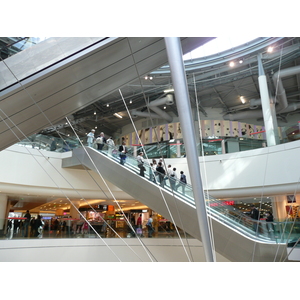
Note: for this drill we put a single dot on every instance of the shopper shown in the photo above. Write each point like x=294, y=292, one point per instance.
x=140, y=162
x=39, y=226
x=161, y=173
x=123, y=151
x=170, y=174
x=26, y=223
x=173, y=179
x=182, y=182
x=91, y=138
x=100, y=141
x=111, y=145
x=150, y=226
x=152, y=172
x=254, y=214
x=270, y=220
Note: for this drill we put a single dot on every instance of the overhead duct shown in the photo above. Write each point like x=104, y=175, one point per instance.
x=135, y=113
x=282, y=107
x=243, y=115
x=159, y=113
x=258, y=113
x=168, y=100
x=254, y=103
x=277, y=80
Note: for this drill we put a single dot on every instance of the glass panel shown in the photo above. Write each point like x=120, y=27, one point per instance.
x=18, y=228
x=12, y=45
x=50, y=143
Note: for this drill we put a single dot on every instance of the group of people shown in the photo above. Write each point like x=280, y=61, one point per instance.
x=34, y=226
x=255, y=215
x=139, y=224
x=157, y=172
x=100, y=141
x=159, y=175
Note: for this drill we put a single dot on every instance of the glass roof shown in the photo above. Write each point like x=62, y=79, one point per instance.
x=217, y=45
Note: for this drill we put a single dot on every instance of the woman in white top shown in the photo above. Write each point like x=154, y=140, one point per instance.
x=90, y=138
x=111, y=145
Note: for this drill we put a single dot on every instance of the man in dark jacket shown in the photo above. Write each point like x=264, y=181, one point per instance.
x=254, y=214
x=161, y=174
x=182, y=182
x=26, y=223
x=123, y=151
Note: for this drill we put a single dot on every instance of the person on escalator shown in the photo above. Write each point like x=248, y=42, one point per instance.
x=91, y=138
x=182, y=182
x=111, y=145
x=254, y=214
x=140, y=162
x=161, y=174
x=100, y=141
x=123, y=151
x=270, y=220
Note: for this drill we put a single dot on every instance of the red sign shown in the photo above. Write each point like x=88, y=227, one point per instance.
x=222, y=203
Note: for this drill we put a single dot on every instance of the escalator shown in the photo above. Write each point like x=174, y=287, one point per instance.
x=233, y=233
x=59, y=76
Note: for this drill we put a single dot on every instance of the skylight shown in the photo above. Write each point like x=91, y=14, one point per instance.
x=217, y=45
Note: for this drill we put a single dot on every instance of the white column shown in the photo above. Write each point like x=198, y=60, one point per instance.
x=74, y=209
x=268, y=108
x=3, y=210
x=178, y=148
x=223, y=147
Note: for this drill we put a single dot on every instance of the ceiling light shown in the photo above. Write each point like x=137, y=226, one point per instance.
x=165, y=107
x=130, y=101
x=94, y=112
x=231, y=64
x=241, y=61
x=242, y=99
x=107, y=105
x=270, y=49
x=169, y=90
x=117, y=115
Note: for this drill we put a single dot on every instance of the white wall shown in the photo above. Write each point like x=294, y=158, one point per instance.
x=27, y=170
x=265, y=171
x=268, y=171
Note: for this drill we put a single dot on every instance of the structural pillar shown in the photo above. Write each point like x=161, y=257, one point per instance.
x=3, y=210
x=197, y=130
x=74, y=209
x=174, y=52
x=268, y=108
